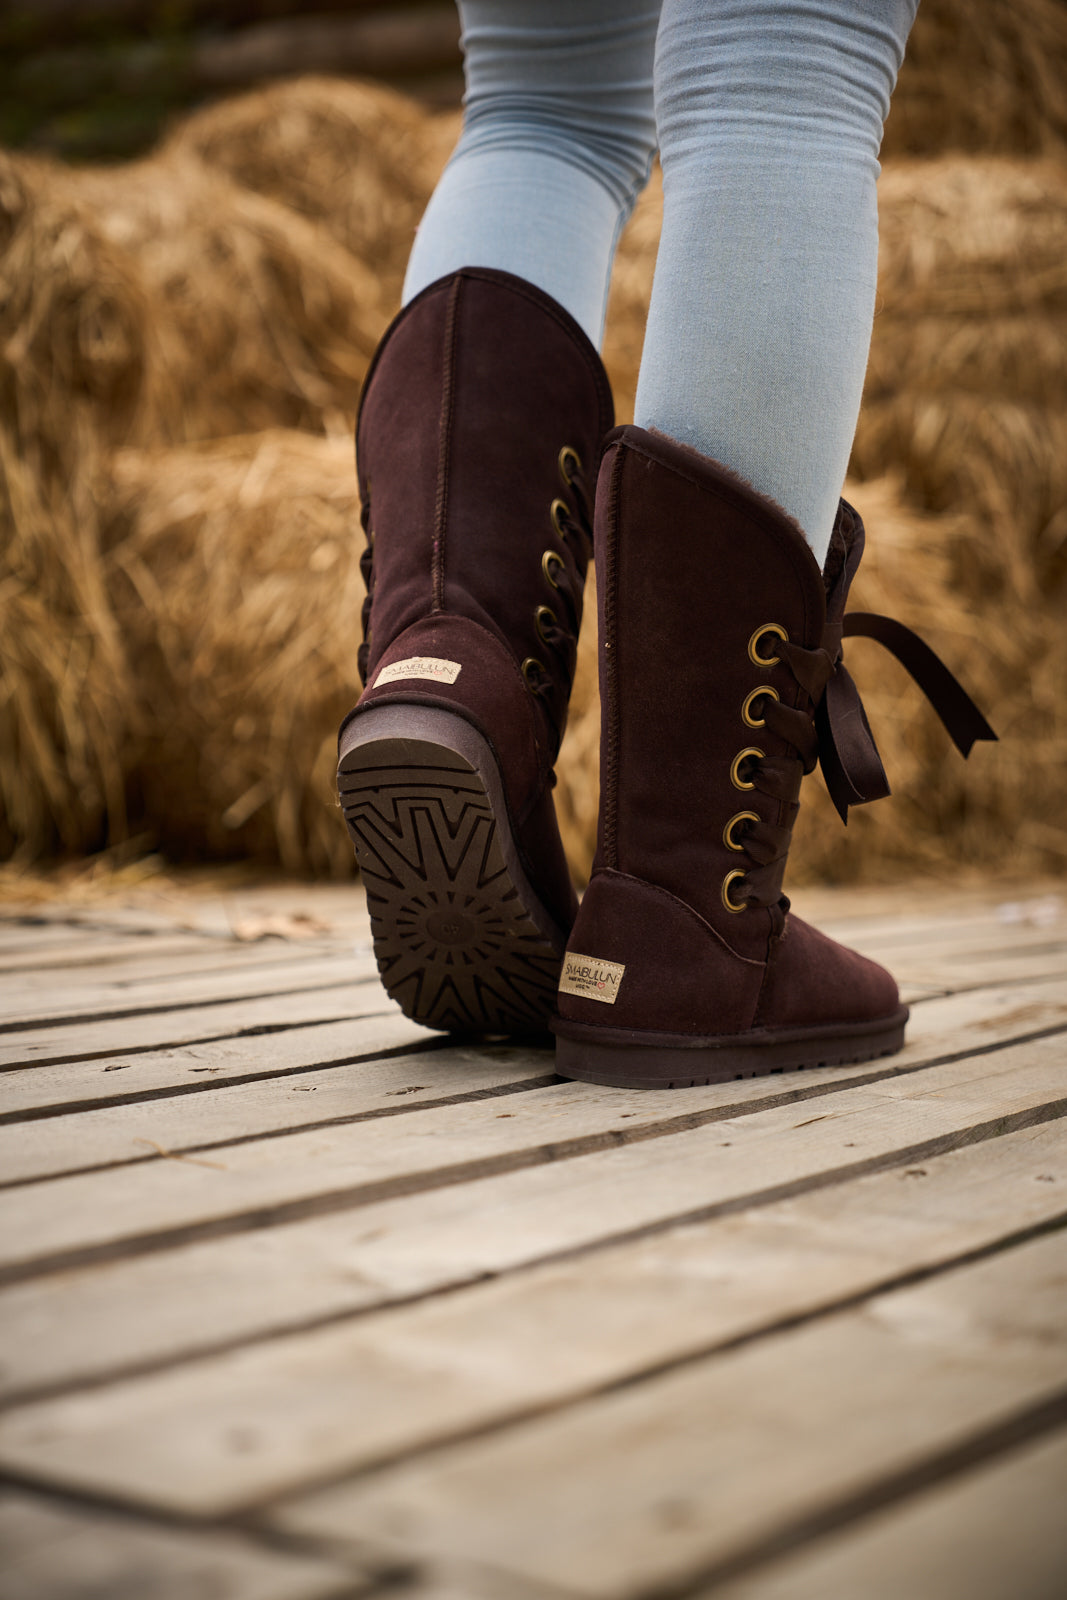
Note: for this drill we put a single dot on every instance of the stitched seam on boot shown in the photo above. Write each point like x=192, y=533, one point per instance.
x=444, y=451
x=763, y=516
x=611, y=675
x=658, y=891
x=566, y=324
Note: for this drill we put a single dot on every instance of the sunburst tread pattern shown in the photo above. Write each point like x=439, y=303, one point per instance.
x=456, y=947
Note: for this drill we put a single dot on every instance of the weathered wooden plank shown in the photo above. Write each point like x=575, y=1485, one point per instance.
x=852, y=910
x=95, y=1136
x=207, y=969
x=352, y=1396
x=166, y=1202
x=341, y=1092
x=166, y=1029
x=999, y=1530
x=936, y=941
x=663, y=1480
x=99, y=1136
x=950, y=971
x=90, y=950
x=114, y=971
x=84, y=943
x=157, y=1308
x=80, y=1003
x=54, y=1552
x=29, y=1092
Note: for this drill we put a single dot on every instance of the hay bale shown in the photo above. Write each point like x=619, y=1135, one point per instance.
x=982, y=79
x=75, y=323
x=356, y=158
x=234, y=573
x=75, y=329
x=148, y=303
x=66, y=695
x=966, y=395
x=159, y=302
x=261, y=318
x=964, y=237
x=631, y=290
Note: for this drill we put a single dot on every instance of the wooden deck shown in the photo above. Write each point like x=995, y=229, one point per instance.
x=287, y=1314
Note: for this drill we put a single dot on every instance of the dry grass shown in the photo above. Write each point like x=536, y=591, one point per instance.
x=235, y=580
x=181, y=344
x=259, y=317
x=989, y=79
x=375, y=158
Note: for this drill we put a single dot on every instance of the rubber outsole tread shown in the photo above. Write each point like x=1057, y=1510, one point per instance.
x=641, y=1066
x=457, y=946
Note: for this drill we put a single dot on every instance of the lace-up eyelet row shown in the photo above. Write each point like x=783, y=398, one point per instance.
x=366, y=567
x=551, y=631
x=763, y=691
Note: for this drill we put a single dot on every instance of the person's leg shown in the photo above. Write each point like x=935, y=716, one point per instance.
x=557, y=142
x=479, y=430
x=721, y=624
x=769, y=117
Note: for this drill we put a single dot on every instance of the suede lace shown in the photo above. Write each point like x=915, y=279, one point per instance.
x=366, y=568
x=830, y=728
x=553, y=687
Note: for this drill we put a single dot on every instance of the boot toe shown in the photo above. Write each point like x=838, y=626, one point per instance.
x=812, y=980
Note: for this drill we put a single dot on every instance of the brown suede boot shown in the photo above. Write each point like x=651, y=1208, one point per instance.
x=721, y=684
x=483, y=410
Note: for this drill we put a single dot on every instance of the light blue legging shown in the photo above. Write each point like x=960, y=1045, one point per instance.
x=768, y=117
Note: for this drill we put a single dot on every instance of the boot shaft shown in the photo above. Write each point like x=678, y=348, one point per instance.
x=700, y=579
x=482, y=414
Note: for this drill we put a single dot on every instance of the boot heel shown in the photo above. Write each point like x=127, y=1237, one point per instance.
x=461, y=939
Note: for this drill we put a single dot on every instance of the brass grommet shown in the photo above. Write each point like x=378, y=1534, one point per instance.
x=546, y=562
x=529, y=665
x=570, y=462
x=753, y=653
x=554, y=511
x=730, y=878
x=728, y=832
x=746, y=710
x=544, y=617
x=742, y=755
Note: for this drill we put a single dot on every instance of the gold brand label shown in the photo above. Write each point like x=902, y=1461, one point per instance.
x=433, y=667
x=591, y=979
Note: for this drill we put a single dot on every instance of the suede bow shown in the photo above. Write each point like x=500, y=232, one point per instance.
x=848, y=755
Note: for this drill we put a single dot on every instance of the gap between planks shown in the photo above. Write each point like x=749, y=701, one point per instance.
x=229, y=1436
x=650, y=1490
x=368, y=1256
x=69, y=1222
x=89, y=1137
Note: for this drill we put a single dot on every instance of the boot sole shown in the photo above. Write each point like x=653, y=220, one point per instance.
x=462, y=940
x=635, y=1061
